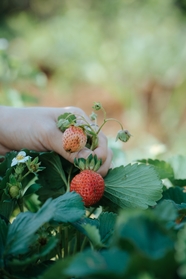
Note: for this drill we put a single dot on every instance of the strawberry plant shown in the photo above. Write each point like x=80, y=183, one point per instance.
x=134, y=228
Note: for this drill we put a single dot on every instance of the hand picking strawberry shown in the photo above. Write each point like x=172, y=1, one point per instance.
x=78, y=133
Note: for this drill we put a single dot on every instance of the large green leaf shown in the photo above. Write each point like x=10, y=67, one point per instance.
x=134, y=186
x=145, y=232
x=21, y=233
x=53, y=178
x=110, y=263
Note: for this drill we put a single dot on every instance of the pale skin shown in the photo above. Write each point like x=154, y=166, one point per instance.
x=35, y=128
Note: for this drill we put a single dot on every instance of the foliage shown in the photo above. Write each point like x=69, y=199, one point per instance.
x=136, y=229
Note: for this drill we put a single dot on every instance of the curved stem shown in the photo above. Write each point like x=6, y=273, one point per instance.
x=104, y=112
x=109, y=119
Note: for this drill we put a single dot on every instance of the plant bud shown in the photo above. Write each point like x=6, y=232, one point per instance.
x=123, y=135
x=97, y=106
x=14, y=192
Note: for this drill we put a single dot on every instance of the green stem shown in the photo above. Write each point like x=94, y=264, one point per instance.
x=85, y=241
x=104, y=112
x=106, y=120
x=69, y=179
x=25, y=175
x=59, y=248
x=78, y=242
x=20, y=204
x=87, y=123
x=66, y=242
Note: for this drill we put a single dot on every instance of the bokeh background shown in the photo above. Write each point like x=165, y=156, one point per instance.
x=129, y=55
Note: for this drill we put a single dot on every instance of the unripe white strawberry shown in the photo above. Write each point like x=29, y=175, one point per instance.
x=14, y=191
x=74, y=139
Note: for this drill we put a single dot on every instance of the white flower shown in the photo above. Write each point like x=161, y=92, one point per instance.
x=20, y=158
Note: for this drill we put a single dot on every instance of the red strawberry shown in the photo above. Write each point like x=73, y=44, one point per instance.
x=90, y=185
x=74, y=139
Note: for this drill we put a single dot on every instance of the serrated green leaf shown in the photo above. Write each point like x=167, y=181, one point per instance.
x=21, y=231
x=163, y=168
x=134, y=186
x=69, y=116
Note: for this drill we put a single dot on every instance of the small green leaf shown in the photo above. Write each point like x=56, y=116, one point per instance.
x=68, y=116
x=166, y=211
x=163, y=168
x=6, y=164
x=21, y=231
x=178, y=163
x=32, y=189
x=93, y=235
x=3, y=236
x=175, y=194
x=134, y=186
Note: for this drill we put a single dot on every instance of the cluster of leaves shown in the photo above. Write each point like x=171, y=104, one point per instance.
x=136, y=230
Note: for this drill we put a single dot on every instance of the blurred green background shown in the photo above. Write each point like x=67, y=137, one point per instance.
x=129, y=55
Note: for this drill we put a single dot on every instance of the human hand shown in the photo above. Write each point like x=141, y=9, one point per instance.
x=35, y=128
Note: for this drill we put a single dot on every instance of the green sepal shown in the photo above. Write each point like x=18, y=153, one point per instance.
x=90, y=163
x=65, y=120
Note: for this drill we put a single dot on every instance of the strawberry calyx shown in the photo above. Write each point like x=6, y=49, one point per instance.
x=90, y=163
x=66, y=120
